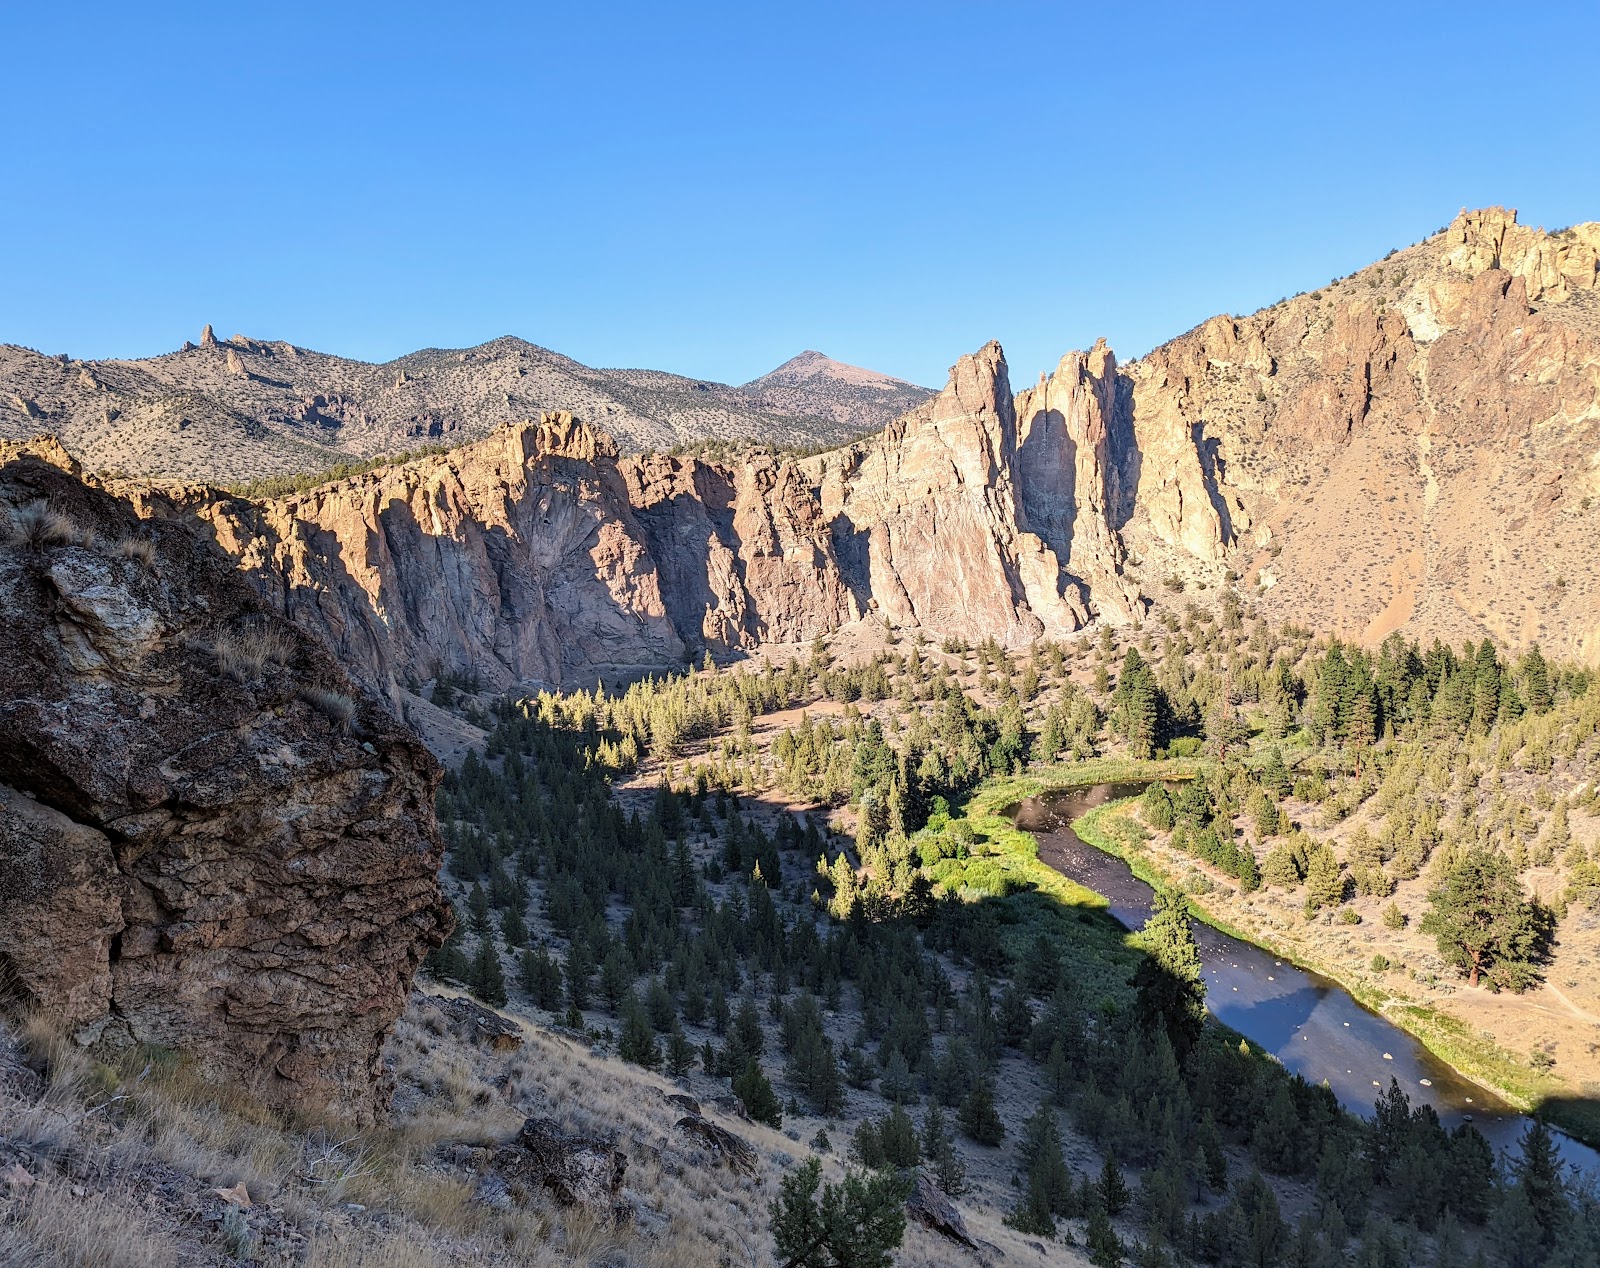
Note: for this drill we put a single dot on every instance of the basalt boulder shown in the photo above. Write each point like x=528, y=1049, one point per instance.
x=211, y=840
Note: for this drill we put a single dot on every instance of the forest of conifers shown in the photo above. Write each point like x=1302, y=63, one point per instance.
x=882, y=978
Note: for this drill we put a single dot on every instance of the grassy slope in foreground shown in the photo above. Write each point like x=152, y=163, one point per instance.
x=1446, y=1037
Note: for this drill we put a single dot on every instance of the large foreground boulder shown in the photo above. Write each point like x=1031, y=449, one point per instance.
x=210, y=839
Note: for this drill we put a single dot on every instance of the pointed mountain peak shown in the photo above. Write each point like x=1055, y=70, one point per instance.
x=813, y=365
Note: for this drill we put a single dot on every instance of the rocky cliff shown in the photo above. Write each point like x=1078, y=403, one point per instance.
x=210, y=840
x=1414, y=447
x=542, y=555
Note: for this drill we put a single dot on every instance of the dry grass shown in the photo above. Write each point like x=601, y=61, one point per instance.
x=38, y=525
x=348, y=1249
x=141, y=549
x=151, y=1112
x=244, y=655
x=51, y=1228
x=337, y=707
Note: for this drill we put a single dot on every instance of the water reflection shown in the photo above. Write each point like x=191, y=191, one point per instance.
x=1308, y=1022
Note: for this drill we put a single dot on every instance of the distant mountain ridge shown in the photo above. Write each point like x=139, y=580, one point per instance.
x=230, y=410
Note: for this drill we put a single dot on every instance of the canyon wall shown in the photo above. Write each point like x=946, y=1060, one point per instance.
x=1415, y=447
x=541, y=555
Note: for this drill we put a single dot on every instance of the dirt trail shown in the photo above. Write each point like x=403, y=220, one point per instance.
x=1582, y=1014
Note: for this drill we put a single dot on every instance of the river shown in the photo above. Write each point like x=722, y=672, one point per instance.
x=1309, y=1022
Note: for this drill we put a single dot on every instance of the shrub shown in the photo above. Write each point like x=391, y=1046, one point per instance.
x=139, y=548
x=1380, y=964
x=1349, y=916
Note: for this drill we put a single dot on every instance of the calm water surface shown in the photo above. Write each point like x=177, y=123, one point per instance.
x=1308, y=1022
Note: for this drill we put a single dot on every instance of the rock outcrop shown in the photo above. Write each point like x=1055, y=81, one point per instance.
x=576, y=1170
x=718, y=1142
x=210, y=840
x=928, y=518
x=929, y=1207
x=540, y=555
x=517, y=559
x=1413, y=448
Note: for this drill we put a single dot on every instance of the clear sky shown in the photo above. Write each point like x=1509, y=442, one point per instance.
x=712, y=188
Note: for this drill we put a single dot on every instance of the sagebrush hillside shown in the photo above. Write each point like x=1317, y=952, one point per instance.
x=239, y=409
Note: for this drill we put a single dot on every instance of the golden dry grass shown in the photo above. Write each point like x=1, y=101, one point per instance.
x=328, y=1196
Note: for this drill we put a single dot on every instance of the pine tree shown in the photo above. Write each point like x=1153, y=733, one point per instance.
x=939, y=1148
x=1114, y=1194
x=638, y=1042
x=578, y=970
x=615, y=974
x=1047, y=1176
x=856, y=1224
x=1484, y=924
x=1325, y=879
x=842, y=906
x=1135, y=706
x=978, y=1118
x=1536, y=680
x=1274, y=774
x=1105, y=1247
x=898, y=1135
x=1538, y=1170
x=513, y=928
x=680, y=1055
x=541, y=978
x=755, y=1093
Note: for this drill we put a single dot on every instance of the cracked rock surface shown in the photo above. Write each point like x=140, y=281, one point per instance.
x=210, y=839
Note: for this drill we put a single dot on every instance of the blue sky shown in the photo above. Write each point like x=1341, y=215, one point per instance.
x=711, y=188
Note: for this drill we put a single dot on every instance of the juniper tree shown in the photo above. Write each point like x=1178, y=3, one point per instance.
x=1170, y=987
x=855, y=1224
